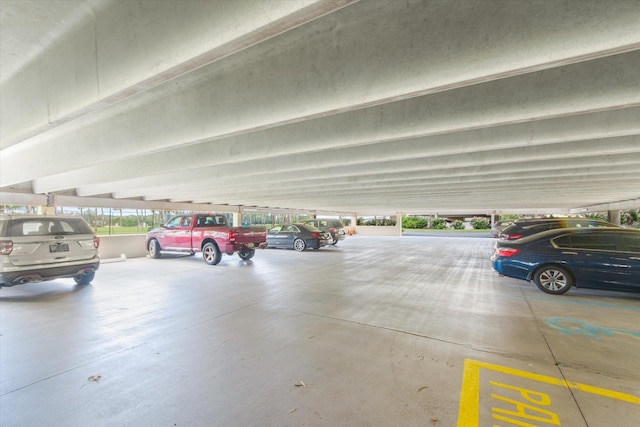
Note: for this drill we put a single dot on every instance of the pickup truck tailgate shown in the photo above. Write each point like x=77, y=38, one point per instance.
x=247, y=235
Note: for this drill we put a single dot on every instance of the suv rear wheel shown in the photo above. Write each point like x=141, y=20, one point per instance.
x=85, y=278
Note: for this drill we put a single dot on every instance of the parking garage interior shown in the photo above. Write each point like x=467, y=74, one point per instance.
x=334, y=108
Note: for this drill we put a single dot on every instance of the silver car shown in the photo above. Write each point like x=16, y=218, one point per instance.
x=36, y=248
x=335, y=227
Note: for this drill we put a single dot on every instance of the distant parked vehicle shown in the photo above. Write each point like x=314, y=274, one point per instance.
x=498, y=226
x=335, y=227
x=206, y=233
x=37, y=248
x=526, y=227
x=298, y=237
x=556, y=260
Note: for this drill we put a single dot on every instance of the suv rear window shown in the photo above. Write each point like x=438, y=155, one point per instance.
x=46, y=226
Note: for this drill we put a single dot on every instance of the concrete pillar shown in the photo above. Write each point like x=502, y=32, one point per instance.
x=614, y=217
x=354, y=224
x=399, y=224
x=237, y=219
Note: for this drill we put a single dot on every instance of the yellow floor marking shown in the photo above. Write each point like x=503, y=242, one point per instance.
x=469, y=413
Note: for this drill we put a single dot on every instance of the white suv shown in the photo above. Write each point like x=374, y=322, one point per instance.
x=35, y=248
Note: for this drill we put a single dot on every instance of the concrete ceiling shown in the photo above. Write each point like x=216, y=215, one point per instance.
x=367, y=107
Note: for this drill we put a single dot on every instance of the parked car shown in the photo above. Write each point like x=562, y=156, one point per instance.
x=36, y=248
x=297, y=236
x=335, y=227
x=498, y=226
x=207, y=233
x=556, y=260
x=526, y=227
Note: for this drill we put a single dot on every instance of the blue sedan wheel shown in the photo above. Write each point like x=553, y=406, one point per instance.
x=553, y=279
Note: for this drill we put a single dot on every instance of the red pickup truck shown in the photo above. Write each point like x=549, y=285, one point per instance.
x=206, y=233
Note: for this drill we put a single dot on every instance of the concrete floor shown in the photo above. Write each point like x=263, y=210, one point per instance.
x=379, y=331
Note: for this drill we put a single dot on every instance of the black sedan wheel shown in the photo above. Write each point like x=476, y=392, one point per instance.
x=299, y=245
x=246, y=253
x=553, y=279
x=211, y=254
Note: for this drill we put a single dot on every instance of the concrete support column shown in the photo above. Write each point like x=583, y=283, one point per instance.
x=354, y=224
x=399, y=224
x=614, y=217
x=237, y=219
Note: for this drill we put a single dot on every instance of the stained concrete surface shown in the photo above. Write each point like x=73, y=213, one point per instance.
x=378, y=331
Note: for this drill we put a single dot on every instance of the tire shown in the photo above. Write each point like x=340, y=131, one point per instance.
x=553, y=279
x=299, y=245
x=154, y=249
x=211, y=253
x=84, y=279
x=246, y=253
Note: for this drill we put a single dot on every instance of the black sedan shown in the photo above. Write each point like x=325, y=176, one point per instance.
x=602, y=258
x=298, y=237
x=526, y=227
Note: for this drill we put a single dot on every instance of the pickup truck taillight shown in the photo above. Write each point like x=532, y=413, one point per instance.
x=232, y=236
x=96, y=242
x=6, y=246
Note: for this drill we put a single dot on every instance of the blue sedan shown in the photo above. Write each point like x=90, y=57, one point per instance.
x=556, y=260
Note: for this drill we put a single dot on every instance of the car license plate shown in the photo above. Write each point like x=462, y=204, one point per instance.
x=59, y=248
x=249, y=245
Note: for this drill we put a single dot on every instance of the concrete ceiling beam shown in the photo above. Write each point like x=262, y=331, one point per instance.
x=153, y=121
x=570, y=179
x=110, y=51
x=366, y=162
x=318, y=137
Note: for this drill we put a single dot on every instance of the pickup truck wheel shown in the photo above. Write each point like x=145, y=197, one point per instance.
x=211, y=254
x=246, y=253
x=154, y=249
x=299, y=245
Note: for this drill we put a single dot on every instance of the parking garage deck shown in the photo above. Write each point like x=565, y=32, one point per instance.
x=378, y=331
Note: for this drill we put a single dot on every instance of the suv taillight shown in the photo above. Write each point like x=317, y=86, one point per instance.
x=6, y=246
x=96, y=242
x=507, y=252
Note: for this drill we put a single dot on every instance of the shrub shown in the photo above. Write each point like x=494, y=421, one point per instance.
x=439, y=223
x=630, y=217
x=597, y=215
x=479, y=223
x=458, y=225
x=413, y=222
